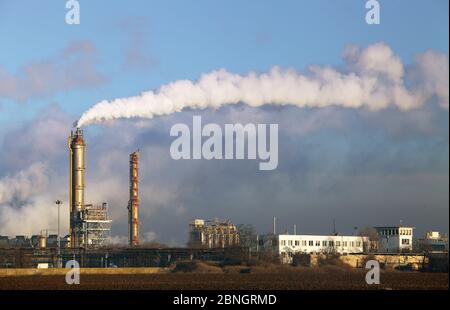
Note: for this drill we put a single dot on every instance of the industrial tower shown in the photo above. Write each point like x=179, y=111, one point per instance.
x=133, y=203
x=89, y=224
x=77, y=149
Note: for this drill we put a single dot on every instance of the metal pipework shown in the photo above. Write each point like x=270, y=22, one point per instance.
x=133, y=203
x=77, y=148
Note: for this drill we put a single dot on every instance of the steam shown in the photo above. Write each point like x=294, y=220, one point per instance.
x=24, y=184
x=374, y=78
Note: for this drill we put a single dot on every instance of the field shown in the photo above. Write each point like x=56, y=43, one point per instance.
x=235, y=277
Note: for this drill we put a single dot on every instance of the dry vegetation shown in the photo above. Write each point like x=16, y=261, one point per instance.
x=200, y=275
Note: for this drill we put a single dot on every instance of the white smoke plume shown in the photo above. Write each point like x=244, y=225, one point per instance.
x=374, y=78
x=24, y=183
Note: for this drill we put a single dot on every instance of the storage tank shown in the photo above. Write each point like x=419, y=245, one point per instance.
x=42, y=241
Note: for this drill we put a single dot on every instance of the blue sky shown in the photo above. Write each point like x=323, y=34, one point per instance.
x=183, y=39
x=361, y=168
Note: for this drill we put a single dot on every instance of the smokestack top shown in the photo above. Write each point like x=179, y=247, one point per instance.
x=134, y=155
x=77, y=137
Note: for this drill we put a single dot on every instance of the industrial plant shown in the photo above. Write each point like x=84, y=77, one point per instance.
x=90, y=227
x=215, y=234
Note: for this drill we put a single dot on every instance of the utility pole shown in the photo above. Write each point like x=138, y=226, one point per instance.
x=274, y=225
x=58, y=203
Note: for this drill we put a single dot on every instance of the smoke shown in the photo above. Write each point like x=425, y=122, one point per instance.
x=26, y=204
x=374, y=78
x=24, y=183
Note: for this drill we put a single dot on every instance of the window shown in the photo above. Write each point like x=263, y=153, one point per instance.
x=331, y=243
x=311, y=243
x=317, y=243
x=338, y=243
x=405, y=241
x=352, y=244
x=297, y=243
x=304, y=242
x=396, y=232
x=324, y=243
x=345, y=243
x=358, y=243
x=290, y=242
x=283, y=242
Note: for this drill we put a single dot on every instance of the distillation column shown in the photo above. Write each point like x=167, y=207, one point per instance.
x=133, y=204
x=77, y=149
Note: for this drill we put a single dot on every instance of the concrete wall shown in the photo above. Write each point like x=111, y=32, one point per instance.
x=388, y=260
x=14, y=272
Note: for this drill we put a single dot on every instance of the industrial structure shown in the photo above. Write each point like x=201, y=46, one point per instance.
x=433, y=241
x=90, y=227
x=215, y=234
x=40, y=241
x=133, y=203
x=89, y=224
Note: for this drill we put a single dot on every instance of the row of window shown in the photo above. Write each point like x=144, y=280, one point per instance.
x=396, y=232
x=325, y=243
x=405, y=241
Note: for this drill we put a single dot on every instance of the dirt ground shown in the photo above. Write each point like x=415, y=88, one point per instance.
x=299, y=279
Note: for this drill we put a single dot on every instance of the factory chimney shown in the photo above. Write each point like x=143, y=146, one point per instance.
x=77, y=149
x=133, y=204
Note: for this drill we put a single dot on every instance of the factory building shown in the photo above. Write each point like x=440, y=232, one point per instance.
x=35, y=241
x=215, y=234
x=89, y=224
x=395, y=239
x=285, y=246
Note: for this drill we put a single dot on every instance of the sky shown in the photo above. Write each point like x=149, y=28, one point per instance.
x=357, y=166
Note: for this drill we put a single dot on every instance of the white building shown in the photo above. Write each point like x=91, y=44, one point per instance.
x=394, y=239
x=285, y=246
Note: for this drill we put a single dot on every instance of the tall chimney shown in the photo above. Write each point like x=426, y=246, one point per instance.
x=133, y=204
x=77, y=149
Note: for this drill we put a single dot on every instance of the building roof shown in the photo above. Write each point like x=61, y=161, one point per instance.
x=398, y=226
